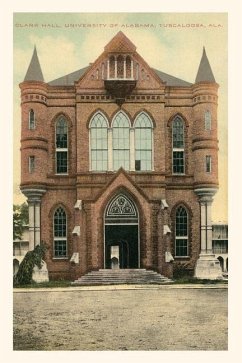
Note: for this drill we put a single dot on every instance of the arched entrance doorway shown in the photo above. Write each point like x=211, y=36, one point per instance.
x=121, y=233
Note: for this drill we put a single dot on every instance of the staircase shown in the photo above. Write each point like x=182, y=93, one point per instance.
x=122, y=276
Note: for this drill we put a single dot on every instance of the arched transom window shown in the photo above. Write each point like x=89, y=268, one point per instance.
x=143, y=142
x=121, y=141
x=181, y=237
x=60, y=233
x=178, y=156
x=99, y=142
x=121, y=209
x=61, y=146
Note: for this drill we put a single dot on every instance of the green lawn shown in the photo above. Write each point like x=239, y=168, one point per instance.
x=66, y=283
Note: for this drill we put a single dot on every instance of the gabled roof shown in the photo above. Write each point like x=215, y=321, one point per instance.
x=205, y=73
x=171, y=80
x=34, y=72
x=69, y=79
x=119, y=43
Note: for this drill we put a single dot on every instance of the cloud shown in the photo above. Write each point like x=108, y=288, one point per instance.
x=57, y=55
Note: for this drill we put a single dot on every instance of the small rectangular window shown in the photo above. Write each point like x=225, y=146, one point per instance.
x=181, y=247
x=208, y=163
x=208, y=120
x=178, y=162
x=31, y=120
x=61, y=160
x=60, y=248
x=137, y=165
x=31, y=164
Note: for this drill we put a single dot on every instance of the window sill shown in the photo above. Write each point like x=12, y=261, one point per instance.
x=180, y=257
x=178, y=174
x=60, y=258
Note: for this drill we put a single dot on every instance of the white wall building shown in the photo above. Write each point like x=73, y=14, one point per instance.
x=220, y=244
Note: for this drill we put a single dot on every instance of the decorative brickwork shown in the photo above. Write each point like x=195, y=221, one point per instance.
x=162, y=98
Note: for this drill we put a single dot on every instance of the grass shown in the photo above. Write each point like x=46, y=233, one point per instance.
x=59, y=283
x=193, y=280
x=67, y=283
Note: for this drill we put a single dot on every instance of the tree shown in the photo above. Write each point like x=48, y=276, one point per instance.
x=32, y=258
x=20, y=219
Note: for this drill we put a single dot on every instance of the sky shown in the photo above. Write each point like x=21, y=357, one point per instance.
x=170, y=42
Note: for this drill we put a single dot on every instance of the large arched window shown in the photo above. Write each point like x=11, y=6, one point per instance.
x=99, y=142
x=31, y=119
x=61, y=146
x=60, y=233
x=181, y=232
x=121, y=141
x=178, y=155
x=143, y=142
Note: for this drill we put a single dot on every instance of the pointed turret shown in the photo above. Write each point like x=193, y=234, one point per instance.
x=34, y=72
x=205, y=73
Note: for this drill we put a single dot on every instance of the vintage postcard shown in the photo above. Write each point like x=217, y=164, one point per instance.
x=120, y=181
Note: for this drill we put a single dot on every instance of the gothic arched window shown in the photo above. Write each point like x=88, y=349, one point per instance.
x=60, y=233
x=128, y=67
x=143, y=142
x=181, y=232
x=121, y=145
x=31, y=119
x=120, y=66
x=178, y=155
x=99, y=142
x=112, y=67
x=61, y=140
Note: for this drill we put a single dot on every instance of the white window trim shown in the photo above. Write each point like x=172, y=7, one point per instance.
x=152, y=141
x=60, y=238
x=90, y=144
x=62, y=149
x=182, y=237
x=132, y=148
x=174, y=149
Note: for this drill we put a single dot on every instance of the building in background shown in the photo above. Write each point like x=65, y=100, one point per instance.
x=220, y=244
x=119, y=163
x=20, y=248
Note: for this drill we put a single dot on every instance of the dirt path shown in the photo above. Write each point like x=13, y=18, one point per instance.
x=155, y=319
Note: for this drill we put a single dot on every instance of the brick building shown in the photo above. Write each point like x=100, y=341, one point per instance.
x=119, y=165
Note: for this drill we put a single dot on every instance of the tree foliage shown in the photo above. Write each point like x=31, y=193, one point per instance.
x=20, y=219
x=25, y=271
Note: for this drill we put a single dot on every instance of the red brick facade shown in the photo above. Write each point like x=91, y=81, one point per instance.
x=78, y=102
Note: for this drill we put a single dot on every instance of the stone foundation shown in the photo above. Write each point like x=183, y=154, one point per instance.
x=208, y=267
x=40, y=275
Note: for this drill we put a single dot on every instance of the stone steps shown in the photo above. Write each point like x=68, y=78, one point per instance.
x=121, y=276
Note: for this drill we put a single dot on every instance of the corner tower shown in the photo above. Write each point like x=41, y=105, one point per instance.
x=34, y=145
x=205, y=156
